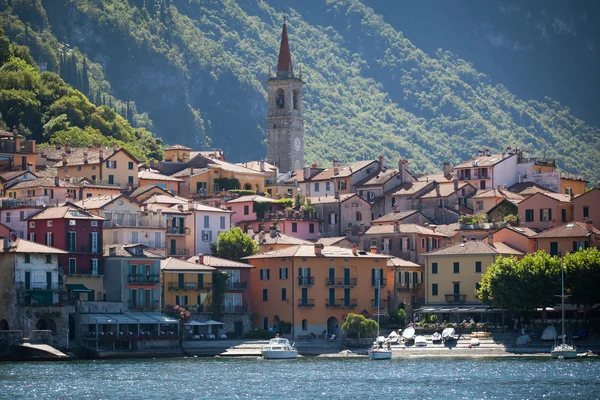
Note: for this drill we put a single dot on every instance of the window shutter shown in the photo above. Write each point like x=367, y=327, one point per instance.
x=373, y=277
x=541, y=214
x=419, y=277
x=550, y=214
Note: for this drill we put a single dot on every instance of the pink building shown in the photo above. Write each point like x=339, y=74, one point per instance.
x=516, y=237
x=545, y=210
x=586, y=207
x=567, y=238
x=244, y=210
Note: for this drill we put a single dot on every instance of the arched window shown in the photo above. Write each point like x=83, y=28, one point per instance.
x=248, y=186
x=280, y=98
x=295, y=99
x=304, y=325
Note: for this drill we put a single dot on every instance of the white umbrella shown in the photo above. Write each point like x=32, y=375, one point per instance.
x=210, y=324
x=393, y=334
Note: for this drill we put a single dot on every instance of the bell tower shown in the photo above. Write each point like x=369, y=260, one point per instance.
x=285, y=125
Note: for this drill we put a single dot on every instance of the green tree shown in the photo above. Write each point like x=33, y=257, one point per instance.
x=501, y=286
x=218, y=296
x=234, y=245
x=357, y=326
x=582, y=274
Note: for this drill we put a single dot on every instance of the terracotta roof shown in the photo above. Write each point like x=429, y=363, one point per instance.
x=440, y=178
x=164, y=199
x=207, y=153
x=177, y=147
x=399, y=262
x=343, y=171
x=46, y=172
x=594, y=190
x=68, y=211
x=255, y=166
x=154, y=176
x=497, y=193
x=253, y=197
x=10, y=175
x=25, y=246
x=403, y=228
x=332, y=199
x=176, y=264
x=128, y=250
x=190, y=172
x=572, y=229
x=76, y=156
x=474, y=248
x=484, y=161
x=395, y=216
x=449, y=229
x=227, y=166
x=521, y=230
x=43, y=182
x=379, y=179
x=332, y=241
x=280, y=238
x=298, y=175
x=217, y=262
x=94, y=203
x=305, y=251
x=284, y=63
x=143, y=189
x=202, y=207
x=528, y=188
x=440, y=191
x=555, y=196
x=410, y=188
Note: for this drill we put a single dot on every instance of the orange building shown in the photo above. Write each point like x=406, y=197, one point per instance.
x=567, y=238
x=315, y=287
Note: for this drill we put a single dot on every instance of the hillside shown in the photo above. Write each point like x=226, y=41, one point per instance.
x=197, y=68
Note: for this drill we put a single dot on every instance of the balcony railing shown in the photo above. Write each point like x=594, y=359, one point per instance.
x=455, y=298
x=231, y=309
x=134, y=224
x=177, y=252
x=409, y=287
x=38, y=286
x=237, y=285
x=189, y=286
x=341, y=303
x=148, y=306
x=178, y=230
x=378, y=281
x=306, y=303
x=142, y=279
x=341, y=282
x=381, y=306
x=306, y=280
x=86, y=249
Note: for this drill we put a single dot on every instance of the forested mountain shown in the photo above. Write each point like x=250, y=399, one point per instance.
x=193, y=72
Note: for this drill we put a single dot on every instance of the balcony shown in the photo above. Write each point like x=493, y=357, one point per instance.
x=306, y=281
x=178, y=230
x=409, y=288
x=455, y=298
x=341, y=303
x=231, y=309
x=376, y=282
x=148, y=306
x=38, y=286
x=143, y=279
x=382, y=306
x=177, y=252
x=341, y=282
x=306, y=303
x=237, y=285
x=85, y=249
x=189, y=286
x=125, y=223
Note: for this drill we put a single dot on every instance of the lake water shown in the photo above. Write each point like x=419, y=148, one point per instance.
x=307, y=378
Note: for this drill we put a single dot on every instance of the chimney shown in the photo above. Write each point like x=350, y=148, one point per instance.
x=374, y=249
x=57, y=146
x=491, y=239
x=306, y=173
x=68, y=148
x=129, y=187
x=7, y=244
x=380, y=162
x=589, y=225
x=487, y=151
x=115, y=147
x=447, y=169
x=30, y=167
x=571, y=195
x=318, y=248
x=180, y=207
x=200, y=258
x=112, y=251
x=354, y=250
x=85, y=157
x=191, y=205
x=101, y=154
x=261, y=164
x=336, y=163
x=348, y=232
x=337, y=195
x=56, y=181
x=455, y=184
x=64, y=159
x=273, y=231
x=464, y=238
x=91, y=147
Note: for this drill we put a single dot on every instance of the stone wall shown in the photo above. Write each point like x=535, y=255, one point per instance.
x=10, y=338
x=40, y=337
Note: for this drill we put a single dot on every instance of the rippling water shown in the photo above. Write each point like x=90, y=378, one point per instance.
x=307, y=378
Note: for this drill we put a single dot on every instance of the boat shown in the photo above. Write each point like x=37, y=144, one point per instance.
x=474, y=342
x=420, y=341
x=436, y=337
x=563, y=350
x=549, y=333
x=378, y=352
x=448, y=334
x=393, y=338
x=408, y=334
x=279, y=349
x=523, y=340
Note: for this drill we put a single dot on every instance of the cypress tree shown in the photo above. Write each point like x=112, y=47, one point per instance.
x=85, y=80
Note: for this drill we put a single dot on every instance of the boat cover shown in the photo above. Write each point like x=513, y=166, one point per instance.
x=408, y=333
x=523, y=340
x=549, y=333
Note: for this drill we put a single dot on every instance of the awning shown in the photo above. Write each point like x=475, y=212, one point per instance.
x=77, y=288
x=455, y=310
x=195, y=323
x=212, y=322
x=41, y=297
x=127, y=318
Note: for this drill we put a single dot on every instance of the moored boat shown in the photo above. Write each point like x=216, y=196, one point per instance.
x=436, y=337
x=279, y=349
x=408, y=334
x=448, y=334
x=420, y=341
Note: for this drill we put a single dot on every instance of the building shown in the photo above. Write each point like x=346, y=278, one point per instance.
x=177, y=153
x=187, y=284
x=402, y=217
x=16, y=153
x=132, y=277
x=45, y=190
x=206, y=223
x=340, y=179
x=567, y=238
x=285, y=125
x=14, y=214
x=272, y=239
x=151, y=178
x=404, y=197
x=444, y=204
x=340, y=212
x=545, y=210
x=10, y=178
x=587, y=207
x=79, y=233
x=517, y=237
x=315, y=287
x=488, y=171
x=452, y=274
x=409, y=287
x=484, y=200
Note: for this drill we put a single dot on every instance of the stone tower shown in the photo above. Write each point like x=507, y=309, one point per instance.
x=285, y=125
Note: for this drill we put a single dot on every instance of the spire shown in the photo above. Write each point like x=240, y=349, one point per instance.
x=284, y=65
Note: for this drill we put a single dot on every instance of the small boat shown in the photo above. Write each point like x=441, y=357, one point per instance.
x=474, y=342
x=420, y=341
x=408, y=334
x=563, y=350
x=436, y=337
x=279, y=349
x=448, y=334
x=393, y=338
x=378, y=352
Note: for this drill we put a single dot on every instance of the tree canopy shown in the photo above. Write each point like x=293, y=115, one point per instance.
x=234, y=245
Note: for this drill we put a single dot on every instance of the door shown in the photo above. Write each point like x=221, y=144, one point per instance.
x=347, y=297
x=27, y=280
x=173, y=247
x=157, y=240
x=332, y=297
x=304, y=296
x=332, y=276
x=346, y=276
x=553, y=248
x=49, y=280
x=238, y=328
x=456, y=291
x=94, y=242
x=180, y=281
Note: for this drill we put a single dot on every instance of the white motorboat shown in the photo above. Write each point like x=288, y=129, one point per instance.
x=448, y=334
x=393, y=338
x=420, y=341
x=279, y=349
x=563, y=350
x=408, y=334
x=436, y=337
x=378, y=351
x=474, y=342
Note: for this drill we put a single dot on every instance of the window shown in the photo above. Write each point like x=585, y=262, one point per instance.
x=283, y=294
x=135, y=237
x=441, y=203
x=111, y=164
x=7, y=217
x=577, y=245
x=358, y=216
x=206, y=221
x=93, y=167
x=72, y=266
x=342, y=185
x=553, y=248
x=222, y=222
x=304, y=325
x=317, y=186
x=206, y=236
x=434, y=289
x=111, y=179
x=332, y=218
x=246, y=210
x=130, y=179
x=327, y=186
x=283, y=273
x=265, y=274
x=32, y=237
x=545, y=214
x=48, y=259
x=130, y=165
x=294, y=227
x=528, y=215
x=434, y=268
x=477, y=266
x=482, y=185
x=27, y=258
x=71, y=241
x=94, y=265
x=586, y=212
x=393, y=201
x=280, y=99
x=480, y=205
x=49, y=224
x=72, y=222
x=404, y=244
x=49, y=239
x=457, y=268
x=265, y=294
x=311, y=228
x=79, y=168
x=94, y=223
x=477, y=286
x=21, y=215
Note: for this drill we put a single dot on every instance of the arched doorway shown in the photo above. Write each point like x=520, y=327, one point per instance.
x=3, y=325
x=333, y=327
x=46, y=324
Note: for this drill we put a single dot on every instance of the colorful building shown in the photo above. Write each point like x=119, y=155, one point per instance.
x=587, y=207
x=545, y=210
x=152, y=178
x=567, y=238
x=187, y=284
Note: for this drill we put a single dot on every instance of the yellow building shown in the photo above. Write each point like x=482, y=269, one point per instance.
x=177, y=153
x=572, y=184
x=169, y=183
x=453, y=273
x=16, y=153
x=315, y=287
x=187, y=284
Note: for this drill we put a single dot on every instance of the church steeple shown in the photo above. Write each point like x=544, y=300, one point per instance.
x=284, y=65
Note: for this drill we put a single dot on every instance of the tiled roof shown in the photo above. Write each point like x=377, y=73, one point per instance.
x=332, y=199
x=128, y=250
x=403, y=228
x=93, y=203
x=332, y=241
x=47, y=172
x=43, y=182
x=572, y=229
x=67, y=211
x=440, y=178
x=305, y=251
x=440, y=191
x=202, y=207
x=76, y=156
x=280, y=238
x=143, y=189
x=399, y=262
x=25, y=246
x=394, y=216
x=217, y=262
x=520, y=230
x=227, y=166
x=528, y=188
x=165, y=199
x=255, y=166
x=177, y=147
x=588, y=193
x=10, y=175
x=474, y=248
x=190, y=172
x=484, y=161
x=343, y=171
x=175, y=264
x=253, y=197
x=299, y=174
x=555, y=196
x=379, y=179
x=497, y=193
x=154, y=176
x=448, y=229
x=409, y=188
